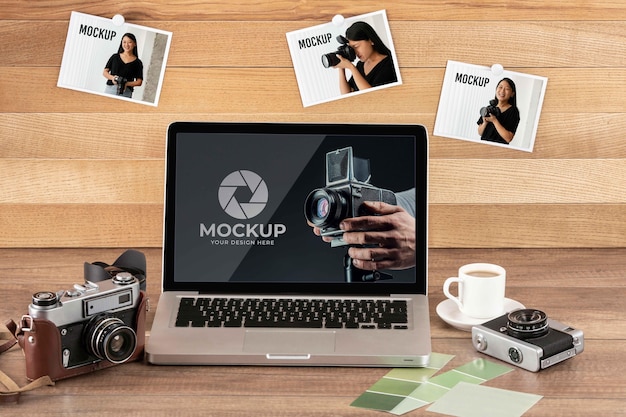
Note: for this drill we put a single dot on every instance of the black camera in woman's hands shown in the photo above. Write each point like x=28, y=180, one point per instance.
x=491, y=110
x=344, y=50
x=121, y=84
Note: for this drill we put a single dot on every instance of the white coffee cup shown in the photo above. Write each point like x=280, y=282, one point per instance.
x=480, y=290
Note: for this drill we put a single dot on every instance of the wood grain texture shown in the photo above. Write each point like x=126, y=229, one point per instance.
x=592, y=383
x=418, y=44
x=228, y=90
x=87, y=135
x=472, y=181
x=73, y=176
x=307, y=10
x=451, y=225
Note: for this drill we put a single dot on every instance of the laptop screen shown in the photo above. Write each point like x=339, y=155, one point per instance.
x=242, y=201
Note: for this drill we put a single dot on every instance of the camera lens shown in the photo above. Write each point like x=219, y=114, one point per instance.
x=109, y=338
x=325, y=207
x=527, y=323
x=330, y=60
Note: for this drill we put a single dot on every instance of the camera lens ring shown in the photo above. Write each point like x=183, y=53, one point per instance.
x=109, y=338
x=325, y=207
x=527, y=323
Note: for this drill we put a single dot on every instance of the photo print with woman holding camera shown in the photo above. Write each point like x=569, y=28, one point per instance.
x=374, y=66
x=490, y=105
x=114, y=59
x=499, y=120
x=344, y=57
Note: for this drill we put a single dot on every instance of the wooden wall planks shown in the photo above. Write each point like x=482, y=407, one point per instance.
x=79, y=170
x=482, y=10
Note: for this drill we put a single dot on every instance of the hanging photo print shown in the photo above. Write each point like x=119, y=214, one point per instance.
x=344, y=57
x=490, y=105
x=115, y=59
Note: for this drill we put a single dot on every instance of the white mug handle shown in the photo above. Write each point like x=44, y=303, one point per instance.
x=446, y=290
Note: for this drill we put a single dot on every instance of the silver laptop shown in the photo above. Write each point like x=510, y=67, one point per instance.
x=246, y=280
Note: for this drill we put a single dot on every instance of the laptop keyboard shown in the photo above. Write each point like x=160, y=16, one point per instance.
x=292, y=313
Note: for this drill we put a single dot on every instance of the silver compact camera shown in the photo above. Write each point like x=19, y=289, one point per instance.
x=528, y=338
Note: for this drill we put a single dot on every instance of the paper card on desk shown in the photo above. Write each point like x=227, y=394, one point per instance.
x=470, y=400
x=399, y=396
x=314, y=53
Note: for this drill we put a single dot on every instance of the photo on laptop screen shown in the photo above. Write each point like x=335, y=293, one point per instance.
x=243, y=202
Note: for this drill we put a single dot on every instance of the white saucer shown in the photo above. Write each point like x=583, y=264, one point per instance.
x=450, y=313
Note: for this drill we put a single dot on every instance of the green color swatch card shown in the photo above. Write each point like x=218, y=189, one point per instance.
x=404, y=390
x=470, y=400
x=397, y=384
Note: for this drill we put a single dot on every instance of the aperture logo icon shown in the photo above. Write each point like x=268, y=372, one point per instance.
x=252, y=183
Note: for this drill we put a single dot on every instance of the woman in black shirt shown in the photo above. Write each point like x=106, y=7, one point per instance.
x=124, y=65
x=375, y=66
x=501, y=128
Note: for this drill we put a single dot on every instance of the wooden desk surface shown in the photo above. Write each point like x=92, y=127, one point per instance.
x=584, y=288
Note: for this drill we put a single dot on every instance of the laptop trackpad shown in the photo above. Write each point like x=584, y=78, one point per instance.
x=289, y=342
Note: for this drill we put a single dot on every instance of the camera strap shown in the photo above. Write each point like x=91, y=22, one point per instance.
x=11, y=394
x=12, y=327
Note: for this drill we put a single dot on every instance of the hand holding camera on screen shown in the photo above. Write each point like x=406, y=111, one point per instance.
x=351, y=212
x=385, y=239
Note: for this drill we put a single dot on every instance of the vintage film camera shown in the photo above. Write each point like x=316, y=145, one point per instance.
x=344, y=50
x=491, y=109
x=91, y=326
x=528, y=338
x=347, y=187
